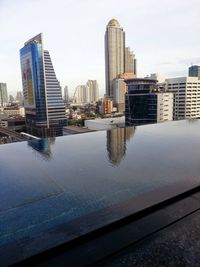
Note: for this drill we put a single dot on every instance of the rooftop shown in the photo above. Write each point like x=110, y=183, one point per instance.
x=78, y=193
x=113, y=22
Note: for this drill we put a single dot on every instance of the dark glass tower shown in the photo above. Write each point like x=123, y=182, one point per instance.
x=44, y=106
x=194, y=71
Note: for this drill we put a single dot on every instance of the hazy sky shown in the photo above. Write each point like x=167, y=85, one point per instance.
x=164, y=35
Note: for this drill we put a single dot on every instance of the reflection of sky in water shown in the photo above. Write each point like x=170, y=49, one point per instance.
x=88, y=172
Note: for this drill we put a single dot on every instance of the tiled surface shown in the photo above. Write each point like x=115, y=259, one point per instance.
x=177, y=245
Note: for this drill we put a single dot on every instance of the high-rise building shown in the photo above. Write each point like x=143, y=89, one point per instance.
x=114, y=53
x=194, y=71
x=146, y=103
x=186, y=92
x=66, y=94
x=80, y=95
x=88, y=93
x=130, y=62
x=19, y=97
x=3, y=95
x=118, y=58
x=92, y=91
x=44, y=106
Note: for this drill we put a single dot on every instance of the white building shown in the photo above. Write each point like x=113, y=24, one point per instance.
x=119, y=94
x=186, y=97
x=164, y=106
x=92, y=91
x=105, y=124
x=3, y=95
x=80, y=96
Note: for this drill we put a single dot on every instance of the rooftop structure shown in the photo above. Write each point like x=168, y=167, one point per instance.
x=105, y=124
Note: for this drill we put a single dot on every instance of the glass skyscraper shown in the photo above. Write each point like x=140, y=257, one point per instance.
x=44, y=106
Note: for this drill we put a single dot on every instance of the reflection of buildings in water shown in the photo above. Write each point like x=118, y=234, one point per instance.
x=42, y=147
x=116, y=143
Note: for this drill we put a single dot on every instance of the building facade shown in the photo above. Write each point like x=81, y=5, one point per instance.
x=145, y=103
x=66, y=94
x=44, y=106
x=19, y=97
x=86, y=94
x=3, y=95
x=130, y=62
x=80, y=95
x=119, y=59
x=186, y=92
x=107, y=105
x=114, y=53
x=92, y=91
x=120, y=88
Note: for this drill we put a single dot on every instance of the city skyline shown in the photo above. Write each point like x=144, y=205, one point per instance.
x=79, y=53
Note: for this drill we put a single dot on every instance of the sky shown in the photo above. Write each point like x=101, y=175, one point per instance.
x=164, y=35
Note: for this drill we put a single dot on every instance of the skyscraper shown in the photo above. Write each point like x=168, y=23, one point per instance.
x=80, y=96
x=44, y=107
x=118, y=58
x=114, y=53
x=3, y=95
x=66, y=94
x=19, y=97
x=92, y=91
x=130, y=62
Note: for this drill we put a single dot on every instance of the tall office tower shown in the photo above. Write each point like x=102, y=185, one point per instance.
x=114, y=53
x=130, y=62
x=66, y=94
x=80, y=95
x=44, y=106
x=146, y=103
x=3, y=95
x=194, y=71
x=186, y=97
x=92, y=91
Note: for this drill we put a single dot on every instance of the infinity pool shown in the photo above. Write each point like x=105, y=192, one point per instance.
x=58, y=182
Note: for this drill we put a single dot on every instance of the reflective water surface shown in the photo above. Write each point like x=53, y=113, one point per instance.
x=52, y=181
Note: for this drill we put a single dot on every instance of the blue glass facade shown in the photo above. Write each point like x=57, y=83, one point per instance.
x=43, y=102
